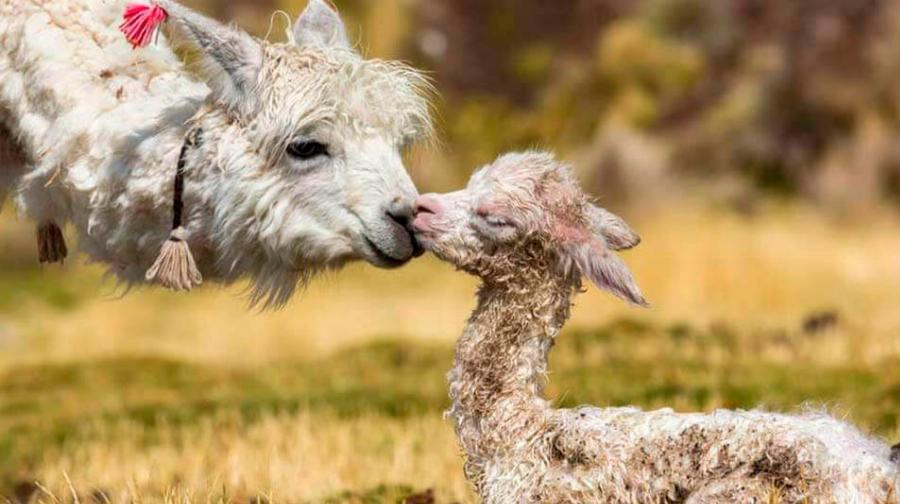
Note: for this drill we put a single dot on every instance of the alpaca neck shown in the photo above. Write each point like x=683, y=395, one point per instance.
x=497, y=381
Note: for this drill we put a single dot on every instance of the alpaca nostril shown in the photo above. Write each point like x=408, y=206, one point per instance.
x=427, y=205
x=400, y=212
x=401, y=219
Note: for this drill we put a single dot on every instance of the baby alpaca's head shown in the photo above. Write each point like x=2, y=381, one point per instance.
x=526, y=212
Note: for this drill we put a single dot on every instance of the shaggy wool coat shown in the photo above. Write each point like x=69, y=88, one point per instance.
x=91, y=130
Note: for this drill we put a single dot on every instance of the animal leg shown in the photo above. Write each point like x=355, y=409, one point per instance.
x=51, y=243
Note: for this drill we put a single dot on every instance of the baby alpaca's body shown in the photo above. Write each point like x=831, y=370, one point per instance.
x=726, y=456
x=523, y=227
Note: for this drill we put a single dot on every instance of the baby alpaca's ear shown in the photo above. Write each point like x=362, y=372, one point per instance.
x=321, y=26
x=591, y=251
x=606, y=270
x=617, y=233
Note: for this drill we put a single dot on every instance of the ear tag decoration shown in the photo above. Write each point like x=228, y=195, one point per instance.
x=141, y=22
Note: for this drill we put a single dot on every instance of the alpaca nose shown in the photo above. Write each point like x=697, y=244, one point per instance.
x=428, y=204
x=401, y=212
x=427, y=207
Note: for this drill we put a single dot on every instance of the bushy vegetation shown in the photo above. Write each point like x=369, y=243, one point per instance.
x=792, y=97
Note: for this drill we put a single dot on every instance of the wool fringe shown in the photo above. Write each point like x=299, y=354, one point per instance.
x=175, y=267
x=51, y=244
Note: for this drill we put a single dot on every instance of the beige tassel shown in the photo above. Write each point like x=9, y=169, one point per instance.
x=51, y=244
x=175, y=267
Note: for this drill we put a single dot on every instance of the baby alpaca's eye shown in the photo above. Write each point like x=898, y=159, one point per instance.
x=496, y=221
x=495, y=228
x=491, y=219
x=307, y=149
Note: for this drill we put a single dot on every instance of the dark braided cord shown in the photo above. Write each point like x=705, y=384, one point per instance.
x=191, y=140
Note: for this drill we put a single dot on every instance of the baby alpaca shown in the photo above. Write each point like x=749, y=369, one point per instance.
x=525, y=228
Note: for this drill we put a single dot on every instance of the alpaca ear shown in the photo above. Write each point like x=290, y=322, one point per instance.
x=606, y=270
x=588, y=248
x=617, y=233
x=230, y=59
x=597, y=260
x=320, y=26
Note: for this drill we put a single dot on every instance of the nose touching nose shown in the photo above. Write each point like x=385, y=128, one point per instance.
x=402, y=211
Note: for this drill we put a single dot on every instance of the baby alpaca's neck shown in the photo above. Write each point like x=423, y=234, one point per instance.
x=501, y=359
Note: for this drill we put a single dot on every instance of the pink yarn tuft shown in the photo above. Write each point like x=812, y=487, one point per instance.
x=141, y=22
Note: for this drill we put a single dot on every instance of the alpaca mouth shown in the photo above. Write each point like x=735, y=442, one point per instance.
x=418, y=248
x=387, y=261
x=423, y=240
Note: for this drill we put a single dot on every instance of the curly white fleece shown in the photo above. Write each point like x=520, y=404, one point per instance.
x=514, y=226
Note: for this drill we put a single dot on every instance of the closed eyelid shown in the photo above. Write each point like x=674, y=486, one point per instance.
x=487, y=209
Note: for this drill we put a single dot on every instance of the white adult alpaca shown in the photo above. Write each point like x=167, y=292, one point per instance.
x=525, y=228
x=296, y=164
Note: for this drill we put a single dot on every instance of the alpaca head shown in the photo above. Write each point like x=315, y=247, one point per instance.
x=306, y=140
x=526, y=213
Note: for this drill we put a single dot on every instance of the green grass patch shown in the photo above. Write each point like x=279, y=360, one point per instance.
x=624, y=363
x=28, y=285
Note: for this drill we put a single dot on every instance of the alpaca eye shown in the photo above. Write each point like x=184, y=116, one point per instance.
x=307, y=149
x=494, y=228
x=491, y=219
x=496, y=221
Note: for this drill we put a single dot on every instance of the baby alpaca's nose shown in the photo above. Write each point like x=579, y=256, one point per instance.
x=427, y=207
x=428, y=204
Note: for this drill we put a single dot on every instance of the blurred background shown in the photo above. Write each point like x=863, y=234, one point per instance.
x=752, y=143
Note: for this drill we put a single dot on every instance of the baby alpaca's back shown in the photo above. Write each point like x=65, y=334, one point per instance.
x=624, y=454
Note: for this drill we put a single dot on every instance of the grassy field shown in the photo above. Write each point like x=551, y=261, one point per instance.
x=106, y=395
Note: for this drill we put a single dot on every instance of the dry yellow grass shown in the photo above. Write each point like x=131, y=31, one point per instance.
x=699, y=266
x=284, y=458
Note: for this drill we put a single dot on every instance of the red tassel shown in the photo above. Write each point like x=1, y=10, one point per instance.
x=141, y=22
